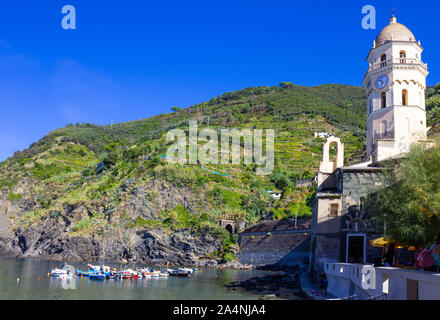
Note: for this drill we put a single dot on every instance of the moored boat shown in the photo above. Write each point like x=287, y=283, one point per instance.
x=178, y=273
x=128, y=274
x=150, y=273
x=97, y=276
x=83, y=273
x=65, y=272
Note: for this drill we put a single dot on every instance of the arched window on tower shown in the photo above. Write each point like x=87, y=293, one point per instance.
x=402, y=57
x=404, y=97
x=383, y=98
x=383, y=60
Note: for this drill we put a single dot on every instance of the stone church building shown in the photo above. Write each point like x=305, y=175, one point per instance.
x=395, y=85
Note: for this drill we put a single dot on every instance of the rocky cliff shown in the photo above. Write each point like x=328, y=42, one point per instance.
x=54, y=235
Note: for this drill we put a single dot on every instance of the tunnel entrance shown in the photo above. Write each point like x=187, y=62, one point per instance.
x=229, y=225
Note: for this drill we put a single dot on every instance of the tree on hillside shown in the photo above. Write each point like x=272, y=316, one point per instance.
x=280, y=180
x=111, y=159
x=409, y=208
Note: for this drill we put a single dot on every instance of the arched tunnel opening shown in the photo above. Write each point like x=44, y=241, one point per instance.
x=229, y=228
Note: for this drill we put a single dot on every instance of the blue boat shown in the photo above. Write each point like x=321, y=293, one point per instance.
x=83, y=273
x=97, y=276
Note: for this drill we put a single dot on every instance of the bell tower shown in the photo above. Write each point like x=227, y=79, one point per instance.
x=395, y=84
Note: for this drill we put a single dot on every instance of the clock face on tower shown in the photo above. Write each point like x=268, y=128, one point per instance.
x=382, y=81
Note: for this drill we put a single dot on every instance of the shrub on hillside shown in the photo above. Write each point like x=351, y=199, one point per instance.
x=180, y=176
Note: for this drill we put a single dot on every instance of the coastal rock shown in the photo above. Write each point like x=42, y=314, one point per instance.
x=54, y=236
x=280, y=285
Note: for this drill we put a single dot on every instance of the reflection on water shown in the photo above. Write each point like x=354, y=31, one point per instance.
x=28, y=279
x=66, y=284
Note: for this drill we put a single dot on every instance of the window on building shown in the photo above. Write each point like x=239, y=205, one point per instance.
x=383, y=60
x=334, y=210
x=383, y=98
x=404, y=97
x=402, y=56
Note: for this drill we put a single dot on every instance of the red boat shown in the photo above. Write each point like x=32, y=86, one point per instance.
x=126, y=274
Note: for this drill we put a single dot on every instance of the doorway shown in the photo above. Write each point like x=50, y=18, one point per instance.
x=356, y=247
x=412, y=289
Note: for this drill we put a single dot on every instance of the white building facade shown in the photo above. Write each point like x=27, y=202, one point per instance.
x=395, y=85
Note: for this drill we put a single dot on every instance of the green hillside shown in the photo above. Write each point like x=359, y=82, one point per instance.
x=100, y=180
x=113, y=182
x=103, y=169
x=433, y=109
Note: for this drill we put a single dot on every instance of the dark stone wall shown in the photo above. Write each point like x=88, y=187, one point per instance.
x=354, y=185
x=357, y=184
x=256, y=248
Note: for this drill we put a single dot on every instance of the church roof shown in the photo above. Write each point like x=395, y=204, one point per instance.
x=394, y=31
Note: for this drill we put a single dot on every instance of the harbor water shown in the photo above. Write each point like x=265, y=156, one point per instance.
x=25, y=279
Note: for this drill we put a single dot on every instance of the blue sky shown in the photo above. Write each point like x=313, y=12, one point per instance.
x=130, y=60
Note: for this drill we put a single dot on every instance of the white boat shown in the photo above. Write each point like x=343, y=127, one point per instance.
x=187, y=270
x=150, y=273
x=61, y=273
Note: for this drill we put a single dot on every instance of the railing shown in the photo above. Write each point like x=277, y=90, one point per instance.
x=380, y=296
x=394, y=61
x=353, y=297
x=345, y=280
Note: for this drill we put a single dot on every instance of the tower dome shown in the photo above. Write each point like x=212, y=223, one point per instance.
x=394, y=32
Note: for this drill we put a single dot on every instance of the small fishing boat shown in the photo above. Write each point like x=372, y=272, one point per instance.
x=150, y=273
x=66, y=272
x=125, y=275
x=83, y=273
x=60, y=273
x=178, y=273
x=94, y=268
x=188, y=270
x=97, y=276
x=128, y=274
